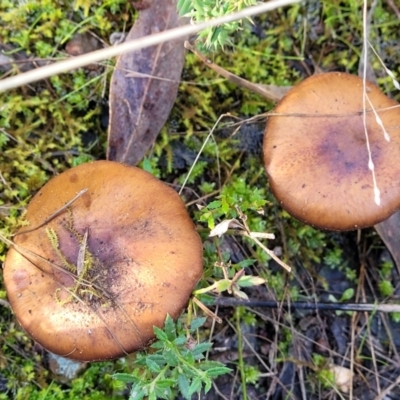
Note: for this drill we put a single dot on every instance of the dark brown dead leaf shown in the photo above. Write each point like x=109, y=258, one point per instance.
x=389, y=231
x=144, y=86
x=82, y=43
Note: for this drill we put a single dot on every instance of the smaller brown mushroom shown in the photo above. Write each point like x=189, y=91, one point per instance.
x=316, y=157
x=93, y=273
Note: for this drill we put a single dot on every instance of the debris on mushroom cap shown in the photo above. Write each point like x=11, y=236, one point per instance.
x=316, y=156
x=91, y=283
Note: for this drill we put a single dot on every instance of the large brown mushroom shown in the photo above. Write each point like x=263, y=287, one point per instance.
x=95, y=270
x=316, y=156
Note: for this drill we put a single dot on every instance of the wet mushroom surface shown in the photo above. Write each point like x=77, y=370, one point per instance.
x=316, y=156
x=107, y=252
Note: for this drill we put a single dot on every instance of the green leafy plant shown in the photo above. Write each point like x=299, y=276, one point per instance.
x=202, y=10
x=237, y=193
x=324, y=373
x=385, y=285
x=175, y=361
x=232, y=284
x=44, y=129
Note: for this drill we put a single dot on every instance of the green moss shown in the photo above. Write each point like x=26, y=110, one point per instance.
x=43, y=131
x=51, y=125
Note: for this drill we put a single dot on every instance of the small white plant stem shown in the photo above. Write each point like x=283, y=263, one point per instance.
x=201, y=150
x=387, y=70
x=206, y=310
x=157, y=38
x=271, y=253
x=247, y=232
x=261, y=235
x=379, y=121
x=371, y=166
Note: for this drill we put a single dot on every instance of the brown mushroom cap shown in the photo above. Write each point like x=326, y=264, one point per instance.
x=316, y=157
x=144, y=258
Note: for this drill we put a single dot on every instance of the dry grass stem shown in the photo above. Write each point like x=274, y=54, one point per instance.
x=157, y=38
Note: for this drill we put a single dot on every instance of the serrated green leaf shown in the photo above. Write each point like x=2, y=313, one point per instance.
x=205, y=365
x=224, y=205
x=158, y=358
x=207, y=385
x=195, y=386
x=200, y=348
x=214, y=204
x=210, y=222
x=189, y=372
x=189, y=358
x=197, y=323
x=183, y=385
x=152, y=365
x=137, y=393
x=127, y=378
x=157, y=345
x=170, y=358
x=213, y=372
x=169, y=328
x=141, y=360
x=166, y=383
x=181, y=340
x=160, y=334
x=163, y=392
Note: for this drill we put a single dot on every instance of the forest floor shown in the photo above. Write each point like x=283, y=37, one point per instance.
x=278, y=352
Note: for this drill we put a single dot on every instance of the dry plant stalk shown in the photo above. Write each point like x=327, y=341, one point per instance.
x=103, y=54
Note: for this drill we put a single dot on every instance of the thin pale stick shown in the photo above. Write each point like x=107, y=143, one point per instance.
x=251, y=235
x=247, y=233
x=206, y=310
x=201, y=150
x=271, y=254
x=371, y=166
x=55, y=214
x=157, y=38
x=304, y=305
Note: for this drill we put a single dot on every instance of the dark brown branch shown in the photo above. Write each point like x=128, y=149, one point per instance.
x=270, y=92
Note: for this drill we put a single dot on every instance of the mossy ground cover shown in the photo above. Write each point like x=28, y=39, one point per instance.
x=57, y=123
